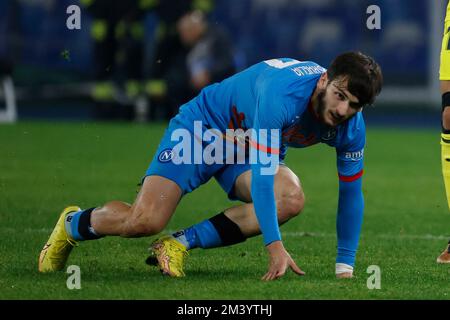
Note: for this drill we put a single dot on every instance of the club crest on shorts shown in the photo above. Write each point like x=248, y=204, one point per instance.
x=166, y=155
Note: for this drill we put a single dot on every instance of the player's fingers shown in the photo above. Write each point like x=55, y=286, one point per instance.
x=272, y=275
x=265, y=277
x=269, y=276
x=279, y=274
x=296, y=269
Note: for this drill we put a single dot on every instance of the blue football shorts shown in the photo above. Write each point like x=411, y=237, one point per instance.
x=190, y=176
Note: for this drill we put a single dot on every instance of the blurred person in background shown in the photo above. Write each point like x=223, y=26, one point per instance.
x=210, y=58
x=168, y=76
x=7, y=92
x=190, y=54
x=118, y=33
x=444, y=77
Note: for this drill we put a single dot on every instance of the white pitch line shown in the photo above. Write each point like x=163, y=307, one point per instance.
x=294, y=234
x=378, y=236
x=26, y=230
x=305, y=234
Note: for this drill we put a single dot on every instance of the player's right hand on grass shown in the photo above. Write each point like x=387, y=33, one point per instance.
x=279, y=261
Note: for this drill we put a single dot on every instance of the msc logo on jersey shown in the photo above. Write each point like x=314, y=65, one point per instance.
x=166, y=155
x=354, y=156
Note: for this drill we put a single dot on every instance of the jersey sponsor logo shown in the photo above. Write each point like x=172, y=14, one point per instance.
x=166, y=155
x=354, y=156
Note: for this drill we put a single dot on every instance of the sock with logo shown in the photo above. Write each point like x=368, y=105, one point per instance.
x=78, y=225
x=219, y=231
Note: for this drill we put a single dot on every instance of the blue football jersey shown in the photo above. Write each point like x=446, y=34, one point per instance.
x=275, y=94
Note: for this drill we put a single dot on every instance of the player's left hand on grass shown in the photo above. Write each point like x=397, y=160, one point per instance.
x=280, y=261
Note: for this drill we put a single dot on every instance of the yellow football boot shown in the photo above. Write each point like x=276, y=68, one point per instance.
x=54, y=255
x=168, y=254
x=445, y=256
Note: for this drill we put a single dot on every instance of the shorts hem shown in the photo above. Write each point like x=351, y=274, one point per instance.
x=183, y=192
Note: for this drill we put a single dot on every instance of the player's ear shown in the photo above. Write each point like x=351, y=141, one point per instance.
x=323, y=81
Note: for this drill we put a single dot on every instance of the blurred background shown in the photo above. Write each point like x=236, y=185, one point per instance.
x=140, y=60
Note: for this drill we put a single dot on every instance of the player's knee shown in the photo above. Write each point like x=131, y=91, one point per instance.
x=293, y=202
x=446, y=117
x=139, y=224
x=138, y=228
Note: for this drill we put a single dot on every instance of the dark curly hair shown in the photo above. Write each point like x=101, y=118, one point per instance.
x=362, y=72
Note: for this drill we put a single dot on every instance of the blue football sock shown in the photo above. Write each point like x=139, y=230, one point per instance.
x=78, y=225
x=187, y=238
x=216, y=232
x=202, y=235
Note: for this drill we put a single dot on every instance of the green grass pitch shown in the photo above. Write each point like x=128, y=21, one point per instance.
x=47, y=166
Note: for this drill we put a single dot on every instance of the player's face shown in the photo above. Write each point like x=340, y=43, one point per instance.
x=336, y=104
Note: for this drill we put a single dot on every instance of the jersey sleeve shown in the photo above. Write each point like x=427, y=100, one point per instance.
x=270, y=117
x=350, y=153
x=350, y=157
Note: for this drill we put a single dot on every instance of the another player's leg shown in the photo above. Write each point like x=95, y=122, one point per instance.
x=444, y=257
x=236, y=224
x=149, y=214
x=444, y=76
